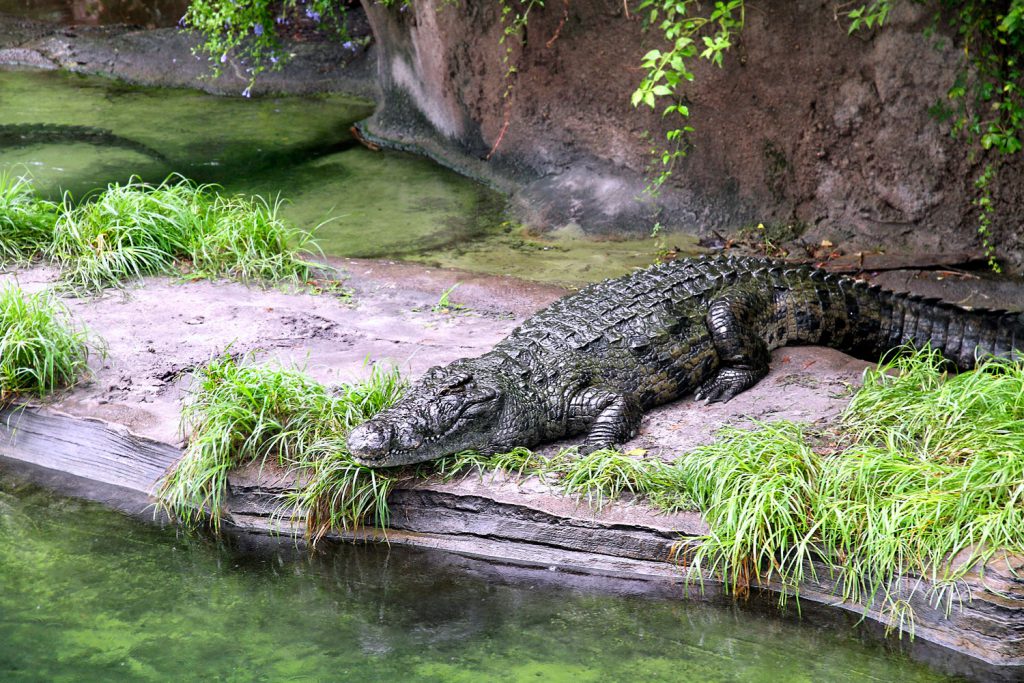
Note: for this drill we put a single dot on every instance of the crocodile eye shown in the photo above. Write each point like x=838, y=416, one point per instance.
x=457, y=384
x=433, y=374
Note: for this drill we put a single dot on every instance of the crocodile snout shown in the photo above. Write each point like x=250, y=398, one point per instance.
x=370, y=441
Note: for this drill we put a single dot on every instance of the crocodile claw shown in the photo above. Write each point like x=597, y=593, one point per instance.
x=727, y=384
x=713, y=392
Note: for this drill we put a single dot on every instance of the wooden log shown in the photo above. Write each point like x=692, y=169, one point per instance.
x=88, y=448
x=535, y=531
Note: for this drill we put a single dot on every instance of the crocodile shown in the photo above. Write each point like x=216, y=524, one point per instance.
x=594, y=361
x=24, y=135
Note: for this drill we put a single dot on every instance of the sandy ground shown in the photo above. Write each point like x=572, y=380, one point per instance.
x=155, y=333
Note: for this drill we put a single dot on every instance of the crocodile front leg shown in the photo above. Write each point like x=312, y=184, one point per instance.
x=735, y=319
x=608, y=417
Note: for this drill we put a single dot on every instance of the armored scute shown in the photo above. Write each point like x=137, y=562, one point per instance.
x=594, y=361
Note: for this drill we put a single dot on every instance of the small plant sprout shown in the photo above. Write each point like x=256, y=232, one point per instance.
x=445, y=305
x=335, y=288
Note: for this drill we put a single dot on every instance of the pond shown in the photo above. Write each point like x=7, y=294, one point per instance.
x=367, y=204
x=92, y=594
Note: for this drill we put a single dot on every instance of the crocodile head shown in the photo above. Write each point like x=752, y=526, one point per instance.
x=454, y=408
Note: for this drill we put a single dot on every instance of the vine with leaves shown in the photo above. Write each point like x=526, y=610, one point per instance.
x=986, y=100
x=514, y=17
x=250, y=30
x=668, y=70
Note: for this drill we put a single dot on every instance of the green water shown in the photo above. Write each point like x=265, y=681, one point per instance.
x=88, y=594
x=210, y=139
x=367, y=204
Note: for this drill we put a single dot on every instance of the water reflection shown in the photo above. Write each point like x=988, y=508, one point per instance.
x=90, y=594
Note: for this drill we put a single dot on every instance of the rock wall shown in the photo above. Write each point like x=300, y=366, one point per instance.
x=805, y=126
x=163, y=58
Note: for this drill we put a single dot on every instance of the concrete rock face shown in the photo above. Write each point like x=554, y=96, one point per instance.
x=804, y=125
x=163, y=57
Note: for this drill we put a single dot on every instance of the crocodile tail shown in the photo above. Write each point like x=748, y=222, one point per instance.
x=961, y=335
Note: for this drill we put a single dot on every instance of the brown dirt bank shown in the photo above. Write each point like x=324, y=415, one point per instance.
x=120, y=428
x=805, y=125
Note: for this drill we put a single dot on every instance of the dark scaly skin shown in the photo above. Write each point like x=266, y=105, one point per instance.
x=594, y=361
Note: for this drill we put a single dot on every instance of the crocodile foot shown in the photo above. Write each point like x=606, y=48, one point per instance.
x=728, y=383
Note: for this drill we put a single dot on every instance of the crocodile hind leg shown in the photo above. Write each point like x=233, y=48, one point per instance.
x=735, y=319
x=609, y=417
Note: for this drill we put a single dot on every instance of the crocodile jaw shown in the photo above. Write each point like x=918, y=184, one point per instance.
x=451, y=409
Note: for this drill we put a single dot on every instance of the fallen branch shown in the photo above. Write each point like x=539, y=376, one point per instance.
x=504, y=128
x=860, y=261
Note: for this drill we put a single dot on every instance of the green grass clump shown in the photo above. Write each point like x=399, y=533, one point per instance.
x=606, y=474
x=240, y=413
x=753, y=489
x=237, y=414
x=361, y=401
x=40, y=349
x=26, y=221
x=455, y=465
x=126, y=232
x=934, y=471
x=340, y=493
x=337, y=492
x=598, y=477
x=519, y=461
x=927, y=479
x=132, y=230
x=246, y=239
